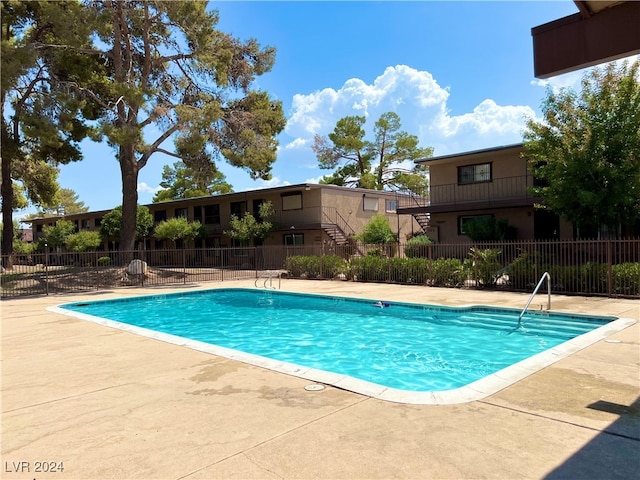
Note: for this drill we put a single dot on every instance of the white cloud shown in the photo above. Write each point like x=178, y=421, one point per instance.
x=296, y=144
x=488, y=118
x=397, y=87
x=421, y=104
x=572, y=80
x=144, y=188
x=274, y=182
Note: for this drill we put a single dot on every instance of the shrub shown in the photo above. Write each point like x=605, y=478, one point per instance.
x=104, y=261
x=625, y=278
x=447, y=272
x=483, y=266
x=328, y=266
x=418, y=247
x=522, y=272
x=370, y=269
x=593, y=277
x=408, y=270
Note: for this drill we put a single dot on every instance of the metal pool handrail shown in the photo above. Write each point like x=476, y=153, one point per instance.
x=548, y=277
x=268, y=279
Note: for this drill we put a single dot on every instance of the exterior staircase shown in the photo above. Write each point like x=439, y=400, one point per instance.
x=335, y=233
x=423, y=220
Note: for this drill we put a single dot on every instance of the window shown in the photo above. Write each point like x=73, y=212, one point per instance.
x=370, y=204
x=293, y=239
x=212, y=214
x=38, y=228
x=480, y=172
x=197, y=213
x=97, y=222
x=159, y=216
x=85, y=224
x=181, y=213
x=390, y=206
x=466, y=218
x=292, y=201
x=238, y=208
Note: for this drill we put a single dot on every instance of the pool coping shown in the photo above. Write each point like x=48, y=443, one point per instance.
x=476, y=390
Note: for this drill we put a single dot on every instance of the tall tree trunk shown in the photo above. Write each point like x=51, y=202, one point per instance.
x=6, y=189
x=129, y=172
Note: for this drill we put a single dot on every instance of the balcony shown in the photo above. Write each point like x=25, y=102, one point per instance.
x=310, y=218
x=498, y=193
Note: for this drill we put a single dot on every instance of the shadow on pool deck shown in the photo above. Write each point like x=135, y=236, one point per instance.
x=110, y=404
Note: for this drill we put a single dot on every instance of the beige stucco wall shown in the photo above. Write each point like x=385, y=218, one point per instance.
x=505, y=163
x=447, y=223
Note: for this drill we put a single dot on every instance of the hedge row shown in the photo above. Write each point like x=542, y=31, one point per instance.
x=484, y=271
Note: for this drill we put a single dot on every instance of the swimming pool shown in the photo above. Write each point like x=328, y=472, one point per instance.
x=396, y=351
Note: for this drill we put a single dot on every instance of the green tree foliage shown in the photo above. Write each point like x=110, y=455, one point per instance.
x=65, y=202
x=177, y=228
x=83, y=241
x=249, y=228
x=42, y=122
x=56, y=235
x=488, y=229
x=417, y=246
x=112, y=222
x=586, y=151
x=377, y=232
x=373, y=164
x=171, y=76
x=181, y=181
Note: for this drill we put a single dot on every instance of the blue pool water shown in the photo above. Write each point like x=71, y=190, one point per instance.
x=402, y=346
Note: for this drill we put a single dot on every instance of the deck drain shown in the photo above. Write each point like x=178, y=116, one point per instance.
x=314, y=387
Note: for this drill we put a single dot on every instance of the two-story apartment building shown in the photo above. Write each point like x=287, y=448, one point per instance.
x=305, y=214
x=490, y=182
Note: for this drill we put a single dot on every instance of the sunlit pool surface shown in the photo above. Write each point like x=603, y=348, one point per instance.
x=397, y=351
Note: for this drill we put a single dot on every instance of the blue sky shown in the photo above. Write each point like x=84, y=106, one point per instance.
x=459, y=74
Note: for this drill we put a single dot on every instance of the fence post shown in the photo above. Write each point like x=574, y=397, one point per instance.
x=184, y=266
x=221, y=264
x=46, y=268
x=609, y=269
x=97, y=271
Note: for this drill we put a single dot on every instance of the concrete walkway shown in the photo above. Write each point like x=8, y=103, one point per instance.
x=107, y=404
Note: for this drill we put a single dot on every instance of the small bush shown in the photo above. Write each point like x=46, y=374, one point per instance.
x=418, y=247
x=104, y=261
x=370, y=269
x=483, y=266
x=522, y=272
x=625, y=278
x=447, y=272
x=310, y=266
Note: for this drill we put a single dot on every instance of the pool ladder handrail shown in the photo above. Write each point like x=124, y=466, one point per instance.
x=269, y=280
x=548, y=277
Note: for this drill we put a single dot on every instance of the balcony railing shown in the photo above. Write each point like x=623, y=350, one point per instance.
x=308, y=216
x=497, y=191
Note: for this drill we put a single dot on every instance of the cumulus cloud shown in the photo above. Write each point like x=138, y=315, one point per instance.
x=420, y=102
x=572, y=80
x=274, y=182
x=144, y=188
x=317, y=112
x=296, y=144
x=488, y=118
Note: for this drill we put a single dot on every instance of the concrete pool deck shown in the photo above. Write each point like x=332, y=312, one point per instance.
x=110, y=404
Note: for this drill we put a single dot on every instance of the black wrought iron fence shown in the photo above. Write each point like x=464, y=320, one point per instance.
x=590, y=267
